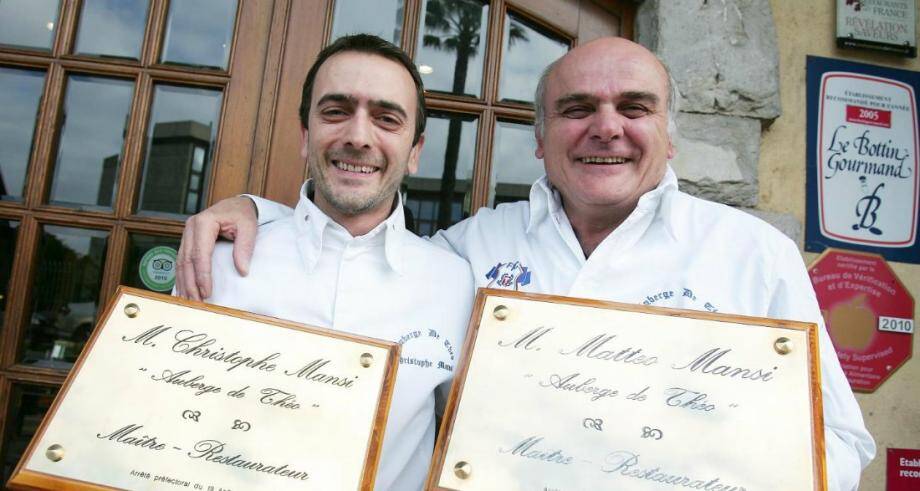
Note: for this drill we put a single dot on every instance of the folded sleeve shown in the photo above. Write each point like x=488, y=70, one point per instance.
x=268, y=210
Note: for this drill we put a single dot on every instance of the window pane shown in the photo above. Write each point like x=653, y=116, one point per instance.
x=514, y=165
x=452, y=39
x=20, y=95
x=151, y=262
x=9, y=229
x=28, y=405
x=439, y=194
x=183, y=124
x=383, y=18
x=65, y=295
x=92, y=131
x=199, y=33
x=112, y=28
x=28, y=23
x=526, y=52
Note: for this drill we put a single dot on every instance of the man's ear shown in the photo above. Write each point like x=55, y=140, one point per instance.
x=304, y=151
x=539, y=151
x=671, y=150
x=415, y=154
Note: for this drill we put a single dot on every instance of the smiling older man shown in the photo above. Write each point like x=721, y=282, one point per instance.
x=608, y=222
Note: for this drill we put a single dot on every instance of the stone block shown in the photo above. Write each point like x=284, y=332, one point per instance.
x=722, y=53
x=717, y=157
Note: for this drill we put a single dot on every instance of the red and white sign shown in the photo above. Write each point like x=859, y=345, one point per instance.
x=868, y=160
x=869, y=315
x=903, y=469
x=869, y=116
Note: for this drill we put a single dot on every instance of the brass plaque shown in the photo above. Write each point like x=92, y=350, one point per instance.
x=566, y=394
x=172, y=394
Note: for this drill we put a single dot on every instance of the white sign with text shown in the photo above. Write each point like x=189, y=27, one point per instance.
x=868, y=180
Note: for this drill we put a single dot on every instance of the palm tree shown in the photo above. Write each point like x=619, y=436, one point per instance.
x=454, y=25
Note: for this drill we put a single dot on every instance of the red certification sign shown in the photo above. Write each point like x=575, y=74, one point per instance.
x=868, y=312
x=903, y=469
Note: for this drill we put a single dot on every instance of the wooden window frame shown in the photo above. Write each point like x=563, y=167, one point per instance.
x=229, y=169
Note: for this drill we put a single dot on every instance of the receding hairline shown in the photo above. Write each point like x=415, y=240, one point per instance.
x=672, y=96
x=342, y=97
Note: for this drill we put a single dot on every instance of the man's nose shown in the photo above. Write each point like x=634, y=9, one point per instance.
x=607, y=124
x=359, y=130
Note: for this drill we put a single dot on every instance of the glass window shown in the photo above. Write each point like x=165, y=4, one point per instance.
x=92, y=130
x=514, y=165
x=151, y=262
x=28, y=405
x=65, y=295
x=9, y=229
x=526, y=51
x=28, y=23
x=112, y=28
x=445, y=174
x=383, y=18
x=451, y=45
x=199, y=33
x=180, y=145
x=20, y=95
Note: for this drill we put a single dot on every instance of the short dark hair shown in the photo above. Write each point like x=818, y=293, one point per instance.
x=366, y=43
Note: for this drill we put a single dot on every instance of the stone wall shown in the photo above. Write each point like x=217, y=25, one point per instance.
x=723, y=56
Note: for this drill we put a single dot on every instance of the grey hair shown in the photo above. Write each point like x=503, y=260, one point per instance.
x=540, y=94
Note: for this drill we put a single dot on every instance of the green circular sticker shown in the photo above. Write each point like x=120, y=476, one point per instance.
x=158, y=268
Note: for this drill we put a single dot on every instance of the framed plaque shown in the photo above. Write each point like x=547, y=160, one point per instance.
x=556, y=393
x=170, y=393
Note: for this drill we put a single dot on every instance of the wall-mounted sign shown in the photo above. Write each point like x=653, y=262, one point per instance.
x=884, y=25
x=863, y=172
x=868, y=312
x=903, y=469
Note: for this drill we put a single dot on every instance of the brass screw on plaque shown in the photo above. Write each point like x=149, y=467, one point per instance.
x=501, y=312
x=366, y=360
x=783, y=346
x=131, y=310
x=55, y=453
x=463, y=469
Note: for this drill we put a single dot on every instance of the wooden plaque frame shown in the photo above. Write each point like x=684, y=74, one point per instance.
x=439, y=466
x=24, y=478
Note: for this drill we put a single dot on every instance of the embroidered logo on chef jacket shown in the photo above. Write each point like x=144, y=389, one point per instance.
x=508, y=275
x=679, y=297
x=426, y=350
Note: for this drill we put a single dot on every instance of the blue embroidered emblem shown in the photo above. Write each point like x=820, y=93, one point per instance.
x=508, y=275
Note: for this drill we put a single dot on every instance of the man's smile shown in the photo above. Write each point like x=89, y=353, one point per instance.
x=356, y=167
x=602, y=160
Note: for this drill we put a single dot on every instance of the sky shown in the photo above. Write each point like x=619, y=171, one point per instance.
x=26, y=22
x=20, y=93
x=112, y=27
x=96, y=112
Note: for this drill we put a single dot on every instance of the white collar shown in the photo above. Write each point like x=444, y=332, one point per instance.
x=545, y=200
x=312, y=225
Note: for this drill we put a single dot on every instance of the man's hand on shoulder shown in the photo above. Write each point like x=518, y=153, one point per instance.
x=233, y=219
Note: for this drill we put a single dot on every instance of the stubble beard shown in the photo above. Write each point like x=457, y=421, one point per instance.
x=347, y=202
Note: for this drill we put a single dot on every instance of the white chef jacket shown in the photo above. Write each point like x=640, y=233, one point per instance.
x=388, y=284
x=673, y=250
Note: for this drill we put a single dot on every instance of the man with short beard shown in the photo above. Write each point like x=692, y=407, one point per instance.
x=344, y=259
